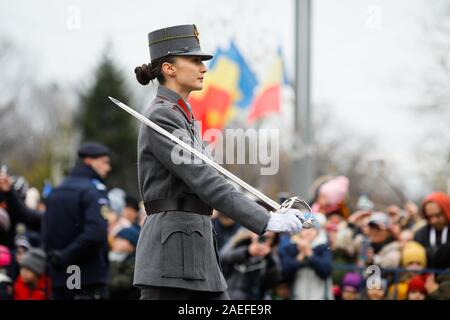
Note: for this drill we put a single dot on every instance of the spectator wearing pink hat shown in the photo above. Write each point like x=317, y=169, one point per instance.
x=330, y=197
x=6, y=285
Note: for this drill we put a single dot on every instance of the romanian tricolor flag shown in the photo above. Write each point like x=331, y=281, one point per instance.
x=228, y=86
x=268, y=99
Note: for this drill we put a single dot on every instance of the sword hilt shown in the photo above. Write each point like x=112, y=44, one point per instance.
x=299, y=203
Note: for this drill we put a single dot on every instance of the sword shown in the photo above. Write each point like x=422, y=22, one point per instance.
x=293, y=202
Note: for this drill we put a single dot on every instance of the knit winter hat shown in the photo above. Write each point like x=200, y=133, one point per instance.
x=352, y=281
x=414, y=252
x=131, y=234
x=442, y=199
x=34, y=260
x=417, y=283
x=5, y=256
x=335, y=190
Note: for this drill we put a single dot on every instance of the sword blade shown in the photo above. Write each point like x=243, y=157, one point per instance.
x=200, y=155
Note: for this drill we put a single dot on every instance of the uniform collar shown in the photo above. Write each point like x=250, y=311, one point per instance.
x=82, y=170
x=172, y=96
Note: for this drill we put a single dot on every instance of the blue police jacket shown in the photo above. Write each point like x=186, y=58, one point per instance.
x=75, y=225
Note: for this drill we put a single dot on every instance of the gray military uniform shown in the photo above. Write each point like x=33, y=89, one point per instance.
x=177, y=249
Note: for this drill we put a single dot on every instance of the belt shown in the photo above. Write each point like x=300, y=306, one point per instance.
x=177, y=204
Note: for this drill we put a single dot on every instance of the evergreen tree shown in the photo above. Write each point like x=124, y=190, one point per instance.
x=101, y=121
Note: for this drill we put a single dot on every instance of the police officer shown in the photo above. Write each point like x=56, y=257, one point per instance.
x=75, y=228
x=176, y=255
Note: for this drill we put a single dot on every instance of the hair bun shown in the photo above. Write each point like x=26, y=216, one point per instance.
x=143, y=74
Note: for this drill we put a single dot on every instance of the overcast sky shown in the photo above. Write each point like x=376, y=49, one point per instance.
x=368, y=57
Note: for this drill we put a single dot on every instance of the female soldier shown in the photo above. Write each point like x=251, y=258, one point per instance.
x=176, y=256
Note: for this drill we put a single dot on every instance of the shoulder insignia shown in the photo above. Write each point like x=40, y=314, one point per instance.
x=98, y=185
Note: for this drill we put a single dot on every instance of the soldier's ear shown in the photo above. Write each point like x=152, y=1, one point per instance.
x=168, y=69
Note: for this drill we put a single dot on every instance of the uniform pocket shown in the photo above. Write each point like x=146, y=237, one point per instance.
x=183, y=250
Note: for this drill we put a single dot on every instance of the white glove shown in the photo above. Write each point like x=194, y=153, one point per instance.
x=286, y=220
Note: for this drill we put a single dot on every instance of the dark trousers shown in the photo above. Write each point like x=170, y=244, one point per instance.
x=93, y=292
x=167, y=293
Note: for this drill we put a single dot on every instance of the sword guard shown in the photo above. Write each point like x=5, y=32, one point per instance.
x=299, y=203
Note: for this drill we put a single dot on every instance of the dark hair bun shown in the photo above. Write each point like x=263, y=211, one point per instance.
x=143, y=74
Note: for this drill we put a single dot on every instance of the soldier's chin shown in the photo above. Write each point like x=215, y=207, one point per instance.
x=198, y=87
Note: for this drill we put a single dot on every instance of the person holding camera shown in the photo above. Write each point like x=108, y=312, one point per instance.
x=13, y=192
x=250, y=264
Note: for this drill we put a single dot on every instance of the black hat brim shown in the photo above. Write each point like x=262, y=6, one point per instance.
x=204, y=56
